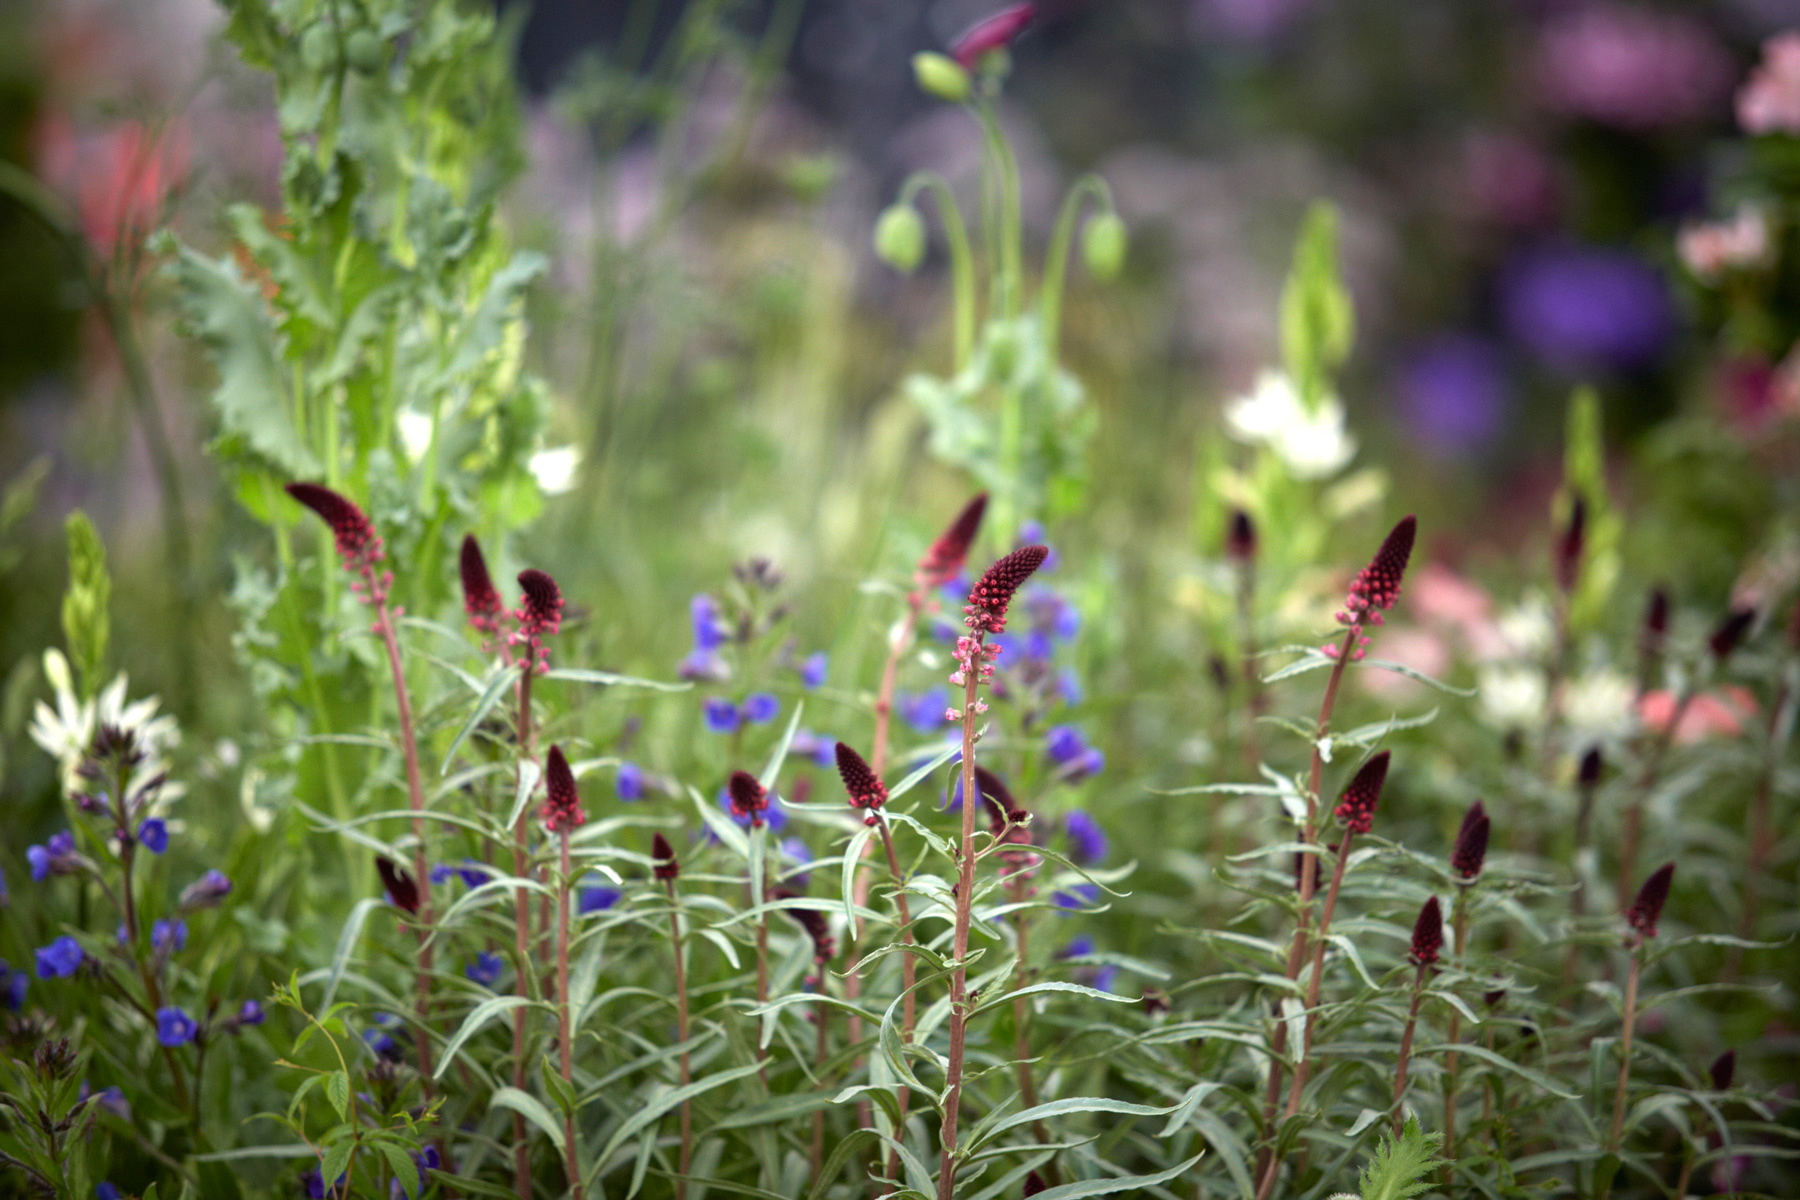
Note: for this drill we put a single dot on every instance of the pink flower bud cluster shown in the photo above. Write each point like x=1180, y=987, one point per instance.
x=1376, y=587
x=864, y=786
x=357, y=542
x=539, y=615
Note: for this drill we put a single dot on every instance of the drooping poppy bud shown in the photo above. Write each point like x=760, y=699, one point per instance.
x=401, y=887
x=1647, y=908
x=1572, y=543
x=1356, y=807
x=1471, y=842
x=667, y=866
x=1722, y=1070
x=865, y=787
x=946, y=556
x=1428, y=933
x=481, y=600
x=562, y=809
x=992, y=593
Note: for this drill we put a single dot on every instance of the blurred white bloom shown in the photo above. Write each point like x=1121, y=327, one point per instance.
x=1530, y=628
x=1313, y=444
x=555, y=469
x=415, y=433
x=1599, y=704
x=1512, y=697
x=1710, y=248
x=67, y=731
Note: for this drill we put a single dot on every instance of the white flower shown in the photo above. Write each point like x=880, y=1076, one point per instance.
x=1530, y=628
x=1710, y=248
x=415, y=433
x=67, y=731
x=1599, y=704
x=1313, y=444
x=555, y=469
x=1512, y=697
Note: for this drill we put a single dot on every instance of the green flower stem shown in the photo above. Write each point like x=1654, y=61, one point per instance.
x=1010, y=233
x=962, y=264
x=1056, y=261
x=1626, y=1030
x=681, y=1036
x=908, y=977
x=1459, y=924
x=1318, y=970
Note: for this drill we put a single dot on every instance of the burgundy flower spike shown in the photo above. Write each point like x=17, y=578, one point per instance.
x=1730, y=633
x=1570, y=546
x=667, y=866
x=1034, y=1183
x=563, y=808
x=1722, y=1070
x=401, y=887
x=865, y=787
x=481, y=600
x=947, y=555
x=816, y=926
x=992, y=593
x=1356, y=807
x=1377, y=586
x=749, y=799
x=539, y=615
x=1646, y=910
x=1471, y=842
x=1240, y=540
x=354, y=535
x=1428, y=933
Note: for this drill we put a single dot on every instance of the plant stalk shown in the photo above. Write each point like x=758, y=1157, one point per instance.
x=1406, y=1043
x=415, y=793
x=965, y=898
x=1304, y=1069
x=522, y=943
x=564, y=1035
x=1631, y=990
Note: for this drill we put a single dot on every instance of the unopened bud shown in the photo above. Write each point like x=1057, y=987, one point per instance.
x=939, y=75
x=1104, y=242
x=900, y=238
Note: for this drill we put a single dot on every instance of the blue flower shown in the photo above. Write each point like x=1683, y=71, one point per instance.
x=378, y=1040
x=924, y=711
x=1070, y=751
x=1103, y=977
x=1079, y=947
x=1068, y=686
x=1077, y=896
x=703, y=664
x=721, y=715
x=59, y=959
x=314, y=1184
x=442, y=873
x=1038, y=646
x=597, y=899
x=1584, y=307
x=1455, y=394
x=206, y=891
x=629, y=783
x=153, y=834
x=251, y=1013
x=174, y=1027
x=812, y=671
x=426, y=1160
x=1087, y=841
x=112, y=1100
x=52, y=858
x=825, y=753
x=39, y=858
x=5, y=895
x=106, y=1191
x=486, y=968
x=169, y=936
x=12, y=986
x=761, y=707
x=1051, y=613
x=708, y=622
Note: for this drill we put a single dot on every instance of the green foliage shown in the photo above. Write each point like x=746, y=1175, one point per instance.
x=1584, y=474
x=87, y=625
x=1318, y=323
x=1402, y=1166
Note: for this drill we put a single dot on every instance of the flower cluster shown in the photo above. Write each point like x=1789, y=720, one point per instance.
x=993, y=592
x=562, y=808
x=860, y=781
x=945, y=556
x=749, y=799
x=539, y=615
x=1074, y=756
x=358, y=545
x=668, y=867
x=1647, y=908
x=481, y=599
x=710, y=633
x=1470, y=851
x=1356, y=807
x=1377, y=586
x=1428, y=933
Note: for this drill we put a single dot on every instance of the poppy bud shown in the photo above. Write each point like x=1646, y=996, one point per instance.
x=1103, y=245
x=941, y=76
x=900, y=238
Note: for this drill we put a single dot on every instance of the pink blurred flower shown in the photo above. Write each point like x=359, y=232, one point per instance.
x=1718, y=713
x=1635, y=68
x=1508, y=181
x=1419, y=649
x=1769, y=101
x=1442, y=597
x=1711, y=248
x=119, y=178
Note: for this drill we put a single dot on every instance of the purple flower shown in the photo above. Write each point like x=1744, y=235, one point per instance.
x=251, y=1013
x=1068, y=686
x=60, y=958
x=206, y=891
x=703, y=665
x=1584, y=307
x=153, y=835
x=174, y=1027
x=1070, y=751
x=314, y=1184
x=1077, y=896
x=111, y=1099
x=1051, y=613
x=1078, y=947
x=812, y=671
x=442, y=873
x=55, y=857
x=1455, y=394
x=760, y=708
x=106, y=1191
x=923, y=711
x=378, y=1040
x=721, y=715
x=426, y=1160
x=1631, y=67
x=486, y=968
x=708, y=622
x=12, y=986
x=628, y=784
x=168, y=936
x=1087, y=841
x=597, y=899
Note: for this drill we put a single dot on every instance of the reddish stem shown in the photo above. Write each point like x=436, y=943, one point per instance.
x=681, y=1036
x=522, y=943
x=1406, y=1043
x=965, y=896
x=565, y=1042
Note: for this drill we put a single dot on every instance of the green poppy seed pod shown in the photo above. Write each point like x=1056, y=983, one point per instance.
x=318, y=48
x=363, y=51
x=900, y=238
x=1103, y=245
x=939, y=75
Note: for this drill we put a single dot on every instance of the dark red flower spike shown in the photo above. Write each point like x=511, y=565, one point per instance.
x=1592, y=765
x=1730, y=632
x=1240, y=539
x=946, y=556
x=1646, y=910
x=354, y=536
x=1428, y=933
x=1377, y=586
x=865, y=787
x=749, y=799
x=1471, y=842
x=1034, y=1183
x=667, y=866
x=562, y=810
x=1571, y=545
x=816, y=926
x=539, y=615
x=992, y=593
x=481, y=600
x=1723, y=1069
x=1356, y=807
x=401, y=887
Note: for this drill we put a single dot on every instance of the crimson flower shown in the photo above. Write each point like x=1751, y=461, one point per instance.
x=1356, y=807
x=562, y=810
x=749, y=799
x=1647, y=908
x=667, y=866
x=481, y=600
x=1471, y=842
x=946, y=556
x=1428, y=933
x=865, y=787
x=992, y=593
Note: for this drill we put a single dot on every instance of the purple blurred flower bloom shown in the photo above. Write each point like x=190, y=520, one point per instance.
x=1077, y=896
x=721, y=714
x=60, y=958
x=1583, y=307
x=629, y=783
x=709, y=624
x=703, y=665
x=1087, y=841
x=1455, y=394
x=174, y=1027
x=761, y=707
x=486, y=968
x=1631, y=67
x=597, y=899
x=924, y=711
x=812, y=671
x=12, y=986
x=153, y=835
x=169, y=936
x=251, y=1013
x=206, y=891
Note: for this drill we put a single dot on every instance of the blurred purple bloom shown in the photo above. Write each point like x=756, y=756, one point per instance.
x=812, y=671
x=1246, y=20
x=799, y=853
x=629, y=783
x=251, y=1013
x=1631, y=67
x=721, y=714
x=174, y=1027
x=153, y=835
x=709, y=624
x=12, y=986
x=1087, y=841
x=1077, y=896
x=924, y=711
x=1068, y=686
x=1070, y=750
x=55, y=857
x=703, y=665
x=169, y=936
x=206, y=891
x=1078, y=947
x=60, y=958
x=486, y=968
x=1583, y=307
x=106, y=1191
x=761, y=707
x=597, y=899
x=1454, y=391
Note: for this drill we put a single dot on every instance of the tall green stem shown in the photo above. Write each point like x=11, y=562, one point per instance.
x=1056, y=261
